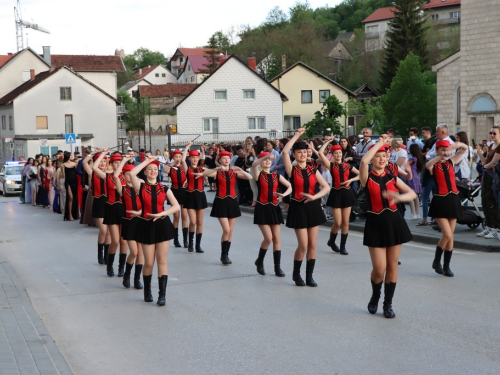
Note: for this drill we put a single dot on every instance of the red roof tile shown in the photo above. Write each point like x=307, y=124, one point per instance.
x=158, y=91
x=387, y=13
x=198, y=62
x=441, y=3
x=88, y=63
x=145, y=71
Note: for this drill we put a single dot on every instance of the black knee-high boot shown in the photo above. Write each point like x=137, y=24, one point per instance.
x=176, y=238
x=277, y=263
x=137, y=276
x=376, y=291
x=126, y=276
x=228, y=246
x=162, y=286
x=446, y=263
x=223, y=253
x=122, y=258
x=198, y=243
x=260, y=261
x=309, y=273
x=389, y=289
x=343, y=240
x=106, y=250
x=296, y=273
x=331, y=242
x=191, y=242
x=148, y=297
x=185, y=237
x=109, y=265
x=100, y=250
x=436, y=265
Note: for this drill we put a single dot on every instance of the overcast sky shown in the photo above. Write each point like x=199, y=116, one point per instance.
x=98, y=27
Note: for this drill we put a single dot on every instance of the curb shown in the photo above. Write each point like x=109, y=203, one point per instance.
x=430, y=239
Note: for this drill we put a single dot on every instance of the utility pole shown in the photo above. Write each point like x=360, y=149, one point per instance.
x=149, y=104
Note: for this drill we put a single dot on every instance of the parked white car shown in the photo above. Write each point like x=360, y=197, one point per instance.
x=10, y=178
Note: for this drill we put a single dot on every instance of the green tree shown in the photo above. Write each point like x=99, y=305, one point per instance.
x=221, y=42
x=407, y=33
x=372, y=113
x=326, y=121
x=143, y=57
x=212, y=56
x=136, y=110
x=411, y=101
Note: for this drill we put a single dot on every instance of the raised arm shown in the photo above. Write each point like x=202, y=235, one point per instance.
x=366, y=159
x=240, y=173
x=185, y=154
x=133, y=173
x=286, y=157
x=86, y=165
x=95, y=167
x=258, y=162
x=322, y=155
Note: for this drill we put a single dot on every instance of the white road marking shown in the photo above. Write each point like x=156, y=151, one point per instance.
x=56, y=279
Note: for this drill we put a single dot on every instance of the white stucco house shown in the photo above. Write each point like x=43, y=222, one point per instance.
x=233, y=99
x=35, y=115
x=156, y=75
x=132, y=86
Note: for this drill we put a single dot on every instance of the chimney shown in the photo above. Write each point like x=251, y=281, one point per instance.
x=46, y=54
x=140, y=71
x=252, y=63
x=283, y=63
x=32, y=73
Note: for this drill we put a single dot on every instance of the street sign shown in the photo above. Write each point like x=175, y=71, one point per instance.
x=70, y=138
x=44, y=142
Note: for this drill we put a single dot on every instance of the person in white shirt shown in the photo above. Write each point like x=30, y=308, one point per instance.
x=398, y=153
x=441, y=134
x=363, y=146
x=462, y=167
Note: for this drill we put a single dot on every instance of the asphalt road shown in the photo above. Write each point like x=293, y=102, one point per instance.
x=230, y=320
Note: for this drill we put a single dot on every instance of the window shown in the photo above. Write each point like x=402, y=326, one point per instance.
x=11, y=123
x=157, y=75
x=435, y=17
x=296, y=122
x=182, y=59
x=189, y=67
x=307, y=96
x=41, y=123
x=163, y=75
x=220, y=94
x=4, y=123
x=249, y=94
x=454, y=14
x=65, y=93
x=210, y=125
x=68, y=124
x=49, y=150
x=323, y=95
x=192, y=79
x=256, y=123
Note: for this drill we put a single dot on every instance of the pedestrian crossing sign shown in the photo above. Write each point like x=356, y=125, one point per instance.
x=70, y=138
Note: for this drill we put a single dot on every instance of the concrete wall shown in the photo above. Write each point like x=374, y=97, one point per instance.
x=448, y=82
x=106, y=81
x=232, y=113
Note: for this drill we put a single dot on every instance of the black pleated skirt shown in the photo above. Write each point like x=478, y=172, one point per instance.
x=113, y=213
x=341, y=198
x=446, y=207
x=267, y=214
x=386, y=229
x=305, y=215
x=225, y=207
x=152, y=232
x=130, y=228
x=98, y=207
x=196, y=200
x=179, y=194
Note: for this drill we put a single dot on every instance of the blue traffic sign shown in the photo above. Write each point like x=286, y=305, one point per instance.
x=70, y=138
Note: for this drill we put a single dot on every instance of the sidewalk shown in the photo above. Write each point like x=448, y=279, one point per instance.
x=465, y=238
x=25, y=345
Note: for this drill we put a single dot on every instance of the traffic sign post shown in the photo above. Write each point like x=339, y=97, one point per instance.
x=70, y=139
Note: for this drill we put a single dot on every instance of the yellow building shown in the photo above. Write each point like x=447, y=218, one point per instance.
x=306, y=90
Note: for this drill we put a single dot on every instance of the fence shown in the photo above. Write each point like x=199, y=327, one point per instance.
x=207, y=138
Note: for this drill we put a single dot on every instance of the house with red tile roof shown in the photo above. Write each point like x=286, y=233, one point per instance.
x=442, y=12
x=156, y=75
x=179, y=58
x=51, y=103
x=194, y=68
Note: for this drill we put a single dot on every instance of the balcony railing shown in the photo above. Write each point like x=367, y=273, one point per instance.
x=207, y=138
x=447, y=21
x=121, y=110
x=373, y=35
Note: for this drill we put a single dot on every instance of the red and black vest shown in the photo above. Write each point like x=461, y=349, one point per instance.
x=375, y=186
x=225, y=183
x=178, y=177
x=444, y=176
x=153, y=199
x=267, y=184
x=340, y=173
x=194, y=184
x=113, y=196
x=131, y=200
x=392, y=168
x=303, y=180
x=98, y=186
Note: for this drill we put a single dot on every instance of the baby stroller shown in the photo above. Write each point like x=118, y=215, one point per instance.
x=471, y=216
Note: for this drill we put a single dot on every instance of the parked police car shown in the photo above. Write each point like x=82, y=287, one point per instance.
x=10, y=178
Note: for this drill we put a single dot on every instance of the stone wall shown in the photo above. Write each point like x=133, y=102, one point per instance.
x=448, y=81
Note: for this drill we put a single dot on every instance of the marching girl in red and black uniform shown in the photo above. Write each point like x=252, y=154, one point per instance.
x=445, y=205
x=268, y=215
x=304, y=213
x=177, y=175
x=155, y=228
x=225, y=206
x=195, y=200
x=341, y=198
x=130, y=222
x=385, y=231
x=99, y=193
x=113, y=213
